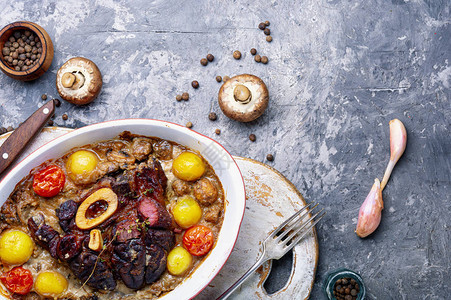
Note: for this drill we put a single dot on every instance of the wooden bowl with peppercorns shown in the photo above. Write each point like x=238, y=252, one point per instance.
x=26, y=50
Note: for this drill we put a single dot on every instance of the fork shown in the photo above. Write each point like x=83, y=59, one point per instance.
x=282, y=240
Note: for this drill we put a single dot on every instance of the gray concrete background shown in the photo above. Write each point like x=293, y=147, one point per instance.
x=339, y=71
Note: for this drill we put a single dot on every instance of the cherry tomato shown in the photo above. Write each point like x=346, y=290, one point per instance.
x=198, y=240
x=18, y=280
x=49, y=181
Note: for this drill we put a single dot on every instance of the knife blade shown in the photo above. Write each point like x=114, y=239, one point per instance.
x=19, y=139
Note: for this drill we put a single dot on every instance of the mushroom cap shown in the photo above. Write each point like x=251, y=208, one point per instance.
x=240, y=111
x=91, y=87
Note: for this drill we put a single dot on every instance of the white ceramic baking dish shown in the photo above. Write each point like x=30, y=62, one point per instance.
x=222, y=162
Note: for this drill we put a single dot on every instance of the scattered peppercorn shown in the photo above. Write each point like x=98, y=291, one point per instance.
x=10, y=128
x=225, y=78
x=253, y=51
x=218, y=131
x=258, y=58
x=267, y=31
x=218, y=78
x=204, y=62
x=269, y=39
x=3, y=130
x=50, y=122
x=264, y=60
x=65, y=117
x=185, y=96
x=189, y=124
x=252, y=137
x=195, y=84
x=57, y=102
x=44, y=97
x=178, y=97
x=261, y=26
x=346, y=289
x=212, y=116
x=236, y=54
x=270, y=157
x=267, y=23
x=210, y=57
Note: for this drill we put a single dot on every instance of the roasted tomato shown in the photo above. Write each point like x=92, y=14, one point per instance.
x=18, y=281
x=49, y=181
x=198, y=240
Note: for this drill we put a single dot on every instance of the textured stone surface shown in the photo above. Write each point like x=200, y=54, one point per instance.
x=338, y=72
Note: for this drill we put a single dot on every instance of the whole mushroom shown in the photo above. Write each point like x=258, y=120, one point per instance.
x=243, y=97
x=79, y=81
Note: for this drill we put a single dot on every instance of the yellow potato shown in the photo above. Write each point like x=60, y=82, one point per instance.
x=16, y=247
x=82, y=162
x=50, y=283
x=188, y=166
x=179, y=261
x=187, y=212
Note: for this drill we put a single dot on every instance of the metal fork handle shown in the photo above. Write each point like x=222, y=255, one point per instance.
x=237, y=284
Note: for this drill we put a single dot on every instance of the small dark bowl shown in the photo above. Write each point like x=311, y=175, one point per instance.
x=44, y=61
x=333, y=276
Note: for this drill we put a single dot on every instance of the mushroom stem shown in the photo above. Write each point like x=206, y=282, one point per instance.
x=68, y=80
x=242, y=94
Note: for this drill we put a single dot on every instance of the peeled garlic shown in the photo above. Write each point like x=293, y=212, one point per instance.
x=398, y=141
x=370, y=211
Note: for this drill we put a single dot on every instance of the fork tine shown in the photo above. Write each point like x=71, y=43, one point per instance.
x=303, y=225
x=307, y=230
x=277, y=230
x=294, y=223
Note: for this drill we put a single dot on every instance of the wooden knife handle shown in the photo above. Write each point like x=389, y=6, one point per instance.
x=18, y=140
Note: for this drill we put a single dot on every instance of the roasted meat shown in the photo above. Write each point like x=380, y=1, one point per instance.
x=136, y=238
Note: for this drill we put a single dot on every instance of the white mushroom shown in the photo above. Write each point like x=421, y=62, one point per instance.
x=79, y=81
x=243, y=97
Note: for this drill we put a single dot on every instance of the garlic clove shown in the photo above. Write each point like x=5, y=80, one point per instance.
x=398, y=141
x=370, y=211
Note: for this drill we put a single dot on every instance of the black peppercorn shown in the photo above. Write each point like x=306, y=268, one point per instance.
x=3, y=130
x=253, y=51
x=178, y=97
x=236, y=54
x=65, y=117
x=10, y=128
x=269, y=39
x=267, y=31
x=218, y=131
x=185, y=96
x=195, y=84
x=210, y=57
x=189, y=124
x=267, y=23
x=50, y=122
x=218, y=78
x=44, y=97
x=212, y=116
x=270, y=157
x=57, y=102
x=204, y=62
x=261, y=26
x=252, y=137
x=264, y=60
x=258, y=58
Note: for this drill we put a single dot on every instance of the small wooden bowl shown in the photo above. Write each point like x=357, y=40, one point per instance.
x=46, y=56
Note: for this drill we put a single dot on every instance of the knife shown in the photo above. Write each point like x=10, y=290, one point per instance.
x=19, y=139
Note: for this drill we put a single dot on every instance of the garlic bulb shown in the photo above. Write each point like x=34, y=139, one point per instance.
x=370, y=211
x=398, y=141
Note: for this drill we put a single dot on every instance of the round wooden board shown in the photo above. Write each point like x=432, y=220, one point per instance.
x=271, y=198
